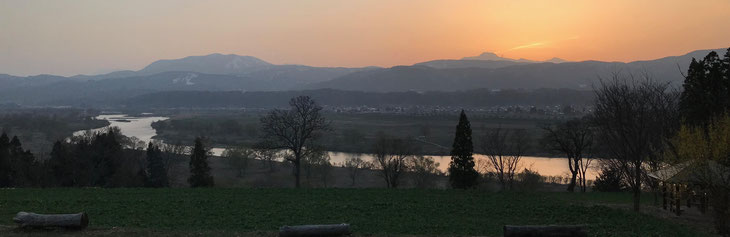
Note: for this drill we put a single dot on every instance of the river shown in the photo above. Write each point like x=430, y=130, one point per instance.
x=141, y=127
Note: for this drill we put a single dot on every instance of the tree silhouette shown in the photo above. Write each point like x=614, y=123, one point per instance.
x=295, y=129
x=60, y=165
x=391, y=156
x=706, y=93
x=635, y=119
x=574, y=139
x=156, y=171
x=461, y=169
x=199, y=169
x=5, y=164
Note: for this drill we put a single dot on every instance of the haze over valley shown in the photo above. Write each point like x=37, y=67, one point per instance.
x=233, y=73
x=364, y=118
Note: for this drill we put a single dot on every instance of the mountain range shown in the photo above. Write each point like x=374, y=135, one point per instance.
x=219, y=72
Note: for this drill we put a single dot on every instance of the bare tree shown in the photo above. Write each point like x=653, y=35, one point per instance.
x=583, y=166
x=171, y=153
x=355, y=165
x=267, y=156
x=390, y=158
x=574, y=139
x=322, y=167
x=238, y=159
x=134, y=143
x=634, y=116
x=295, y=129
x=424, y=169
x=504, y=149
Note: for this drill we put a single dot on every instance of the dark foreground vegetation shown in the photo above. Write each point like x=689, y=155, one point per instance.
x=370, y=211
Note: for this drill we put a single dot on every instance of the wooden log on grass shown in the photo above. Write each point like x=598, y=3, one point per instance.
x=545, y=230
x=315, y=230
x=33, y=220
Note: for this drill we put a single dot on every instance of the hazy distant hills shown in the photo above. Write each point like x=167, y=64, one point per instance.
x=218, y=72
x=454, y=75
x=329, y=97
x=211, y=64
x=484, y=60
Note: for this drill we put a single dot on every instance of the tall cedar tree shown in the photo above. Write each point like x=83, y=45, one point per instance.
x=5, y=168
x=706, y=93
x=199, y=169
x=106, y=155
x=461, y=169
x=60, y=165
x=22, y=164
x=156, y=172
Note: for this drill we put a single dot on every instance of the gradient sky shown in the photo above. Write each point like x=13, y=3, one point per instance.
x=89, y=37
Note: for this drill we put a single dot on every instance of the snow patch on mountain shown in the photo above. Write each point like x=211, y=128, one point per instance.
x=187, y=79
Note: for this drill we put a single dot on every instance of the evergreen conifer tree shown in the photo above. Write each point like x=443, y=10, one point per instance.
x=199, y=169
x=156, y=172
x=461, y=169
x=61, y=167
x=5, y=163
x=706, y=93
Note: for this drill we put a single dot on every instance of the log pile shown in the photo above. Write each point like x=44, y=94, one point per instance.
x=315, y=230
x=545, y=230
x=33, y=220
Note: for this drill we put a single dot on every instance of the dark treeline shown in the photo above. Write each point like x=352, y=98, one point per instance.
x=328, y=97
x=18, y=167
x=100, y=159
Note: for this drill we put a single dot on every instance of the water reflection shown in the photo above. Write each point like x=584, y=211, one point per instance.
x=141, y=128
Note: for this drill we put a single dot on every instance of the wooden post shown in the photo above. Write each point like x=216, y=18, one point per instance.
x=546, y=230
x=33, y=220
x=703, y=202
x=678, y=202
x=664, y=195
x=315, y=230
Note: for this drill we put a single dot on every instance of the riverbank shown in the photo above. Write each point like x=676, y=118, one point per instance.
x=351, y=133
x=144, y=129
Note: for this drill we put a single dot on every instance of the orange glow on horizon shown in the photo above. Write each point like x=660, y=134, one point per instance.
x=87, y=36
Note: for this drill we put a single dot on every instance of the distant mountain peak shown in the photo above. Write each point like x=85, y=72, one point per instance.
x=556, y=60
x=489, y=56
x=215, y=63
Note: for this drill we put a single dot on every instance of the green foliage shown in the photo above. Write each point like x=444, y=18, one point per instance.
x=156, y=172
x=705, y=151
x=461, y=169
x=370, y=211
x=199, y=169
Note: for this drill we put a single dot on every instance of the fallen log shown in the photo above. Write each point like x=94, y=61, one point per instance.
x=545, y=230
x=315, y=230
x=33, y=220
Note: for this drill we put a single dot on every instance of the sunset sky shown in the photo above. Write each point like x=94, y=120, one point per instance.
x=90, y=37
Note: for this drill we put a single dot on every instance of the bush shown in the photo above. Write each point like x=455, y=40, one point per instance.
x=529, y=179
x=609, y=180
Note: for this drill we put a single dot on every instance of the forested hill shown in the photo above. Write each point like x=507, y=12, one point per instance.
x=329, y=97
x=222, y=74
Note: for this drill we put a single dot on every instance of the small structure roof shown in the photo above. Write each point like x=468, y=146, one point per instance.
x=691, y=172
